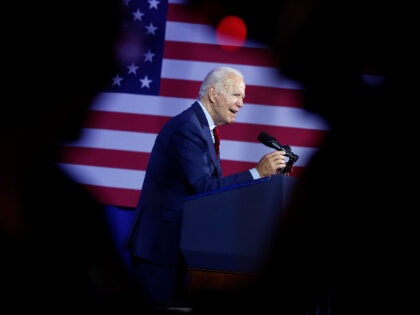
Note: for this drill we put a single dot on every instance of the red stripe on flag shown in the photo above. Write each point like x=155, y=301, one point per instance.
x=214, y=53
x=254, y=94
x=125, y=122
x=185, y=13
x=179, y=88
x=235, y=131
x=284, y=135
x=232, y=167
x=105, y=158
x=114, y=196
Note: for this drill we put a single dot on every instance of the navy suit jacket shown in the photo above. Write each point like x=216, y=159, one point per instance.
x=182, y=163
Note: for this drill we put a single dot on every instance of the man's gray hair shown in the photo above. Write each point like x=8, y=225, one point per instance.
x=216, y=78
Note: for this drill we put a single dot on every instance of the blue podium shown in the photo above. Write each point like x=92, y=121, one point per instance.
x=227, y=233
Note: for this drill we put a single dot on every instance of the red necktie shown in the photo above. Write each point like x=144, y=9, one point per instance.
x=216, y=140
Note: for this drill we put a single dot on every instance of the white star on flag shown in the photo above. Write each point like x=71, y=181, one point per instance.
x=138, y=15
x=145, y=82
x=132, y=68
x=153, y=4
x=117, y=80
x=151, y=28
x=148, y=56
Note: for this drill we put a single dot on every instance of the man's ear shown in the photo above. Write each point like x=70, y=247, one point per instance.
x=212, y=94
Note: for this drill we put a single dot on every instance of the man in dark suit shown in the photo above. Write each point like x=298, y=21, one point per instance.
x=184, y=162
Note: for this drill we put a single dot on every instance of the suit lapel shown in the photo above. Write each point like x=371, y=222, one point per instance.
x=206, y=131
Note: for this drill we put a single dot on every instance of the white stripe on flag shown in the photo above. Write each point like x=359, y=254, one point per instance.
x=253, y=152
x=280, y=116
x=141, y=104
x=179, y=1
x=104, y=176
x=114, y=140
x=253, y=75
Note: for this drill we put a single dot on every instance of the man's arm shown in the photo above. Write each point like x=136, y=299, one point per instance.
x=189, y=153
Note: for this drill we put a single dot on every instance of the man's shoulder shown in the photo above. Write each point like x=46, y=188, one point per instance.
x=186, y=117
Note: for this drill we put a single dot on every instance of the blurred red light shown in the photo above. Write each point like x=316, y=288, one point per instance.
x=231, y=33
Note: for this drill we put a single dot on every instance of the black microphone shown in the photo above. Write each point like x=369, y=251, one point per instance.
x=270, y=141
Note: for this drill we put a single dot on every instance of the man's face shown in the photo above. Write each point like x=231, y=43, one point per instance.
x=228, y=101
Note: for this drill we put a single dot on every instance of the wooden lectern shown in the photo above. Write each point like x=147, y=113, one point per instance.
x=227, y=233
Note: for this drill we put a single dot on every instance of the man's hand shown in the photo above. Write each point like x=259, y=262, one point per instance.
x=270, y=163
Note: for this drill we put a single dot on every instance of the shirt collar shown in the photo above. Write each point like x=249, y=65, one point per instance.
x=210, y=120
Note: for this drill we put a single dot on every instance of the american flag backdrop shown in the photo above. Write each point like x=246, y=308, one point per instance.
x=162, y=78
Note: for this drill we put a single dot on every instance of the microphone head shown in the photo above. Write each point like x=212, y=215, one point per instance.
x=265, y=138
x=269, y=141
